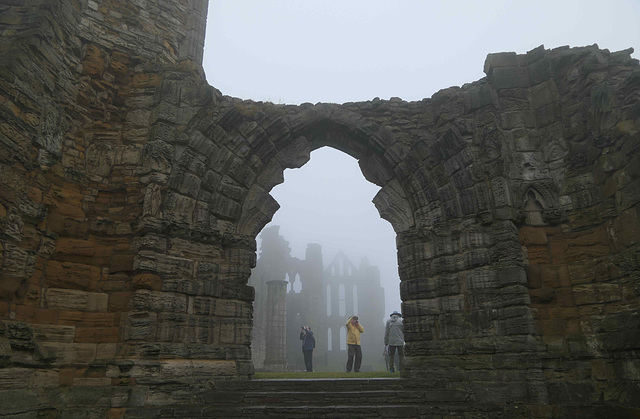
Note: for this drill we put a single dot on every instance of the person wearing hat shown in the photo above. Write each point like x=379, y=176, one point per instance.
x=394, y=339
x=354, y=328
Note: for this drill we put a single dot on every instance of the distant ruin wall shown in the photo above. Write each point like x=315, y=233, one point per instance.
x=131, y=193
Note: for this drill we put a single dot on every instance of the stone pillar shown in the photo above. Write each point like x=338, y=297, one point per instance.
x=275, y=351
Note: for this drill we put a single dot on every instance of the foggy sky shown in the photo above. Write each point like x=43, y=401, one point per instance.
x=296, y=51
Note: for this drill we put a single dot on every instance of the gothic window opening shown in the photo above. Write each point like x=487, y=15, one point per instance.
x=297, y=284
x=343, y=338
x=289, y=284
x=329, y=340
x=342, y=309
x=355, y=299
x=533, y=209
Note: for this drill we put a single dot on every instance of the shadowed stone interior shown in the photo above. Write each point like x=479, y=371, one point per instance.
x=131, y=193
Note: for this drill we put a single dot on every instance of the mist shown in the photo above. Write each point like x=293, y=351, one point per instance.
x=328, y=202
x=336, y=51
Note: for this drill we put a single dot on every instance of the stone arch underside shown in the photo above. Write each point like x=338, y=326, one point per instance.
x=131, y=193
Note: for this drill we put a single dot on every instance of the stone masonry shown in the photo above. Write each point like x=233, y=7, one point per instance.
x=131, y=194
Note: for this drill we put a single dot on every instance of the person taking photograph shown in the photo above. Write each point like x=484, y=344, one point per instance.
x=354, y=328
x=308, y=345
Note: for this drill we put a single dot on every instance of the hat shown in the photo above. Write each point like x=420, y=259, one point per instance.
x=395, y=312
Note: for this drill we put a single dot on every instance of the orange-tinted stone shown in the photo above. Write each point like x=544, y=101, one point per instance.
x=66, y=376
x=64, y=226
x=533, y=235
x=46, y=316
x=122, y=263
x=96, y=334
x=83, y=251
x=81, y=318
x=25, y=313
x=564, y=297
x=146, y=80
x=558, y=249
x=93, y=63
x=119, y=301
x=116, y=413
x=70, y=275
x=538, y=255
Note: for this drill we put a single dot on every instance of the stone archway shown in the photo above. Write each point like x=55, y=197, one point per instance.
x=461, y=267
x=132, y=192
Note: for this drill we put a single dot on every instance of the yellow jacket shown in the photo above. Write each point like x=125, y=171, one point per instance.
x=353, y=332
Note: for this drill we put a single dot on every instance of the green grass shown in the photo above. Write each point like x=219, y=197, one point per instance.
x=311, y=375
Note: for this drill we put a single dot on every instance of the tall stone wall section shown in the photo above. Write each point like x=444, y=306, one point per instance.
x=131, y=193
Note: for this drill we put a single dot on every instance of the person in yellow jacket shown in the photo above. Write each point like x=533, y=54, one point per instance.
x=354, y=328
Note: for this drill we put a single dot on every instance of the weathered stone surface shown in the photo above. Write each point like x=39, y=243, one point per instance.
x=131, y=193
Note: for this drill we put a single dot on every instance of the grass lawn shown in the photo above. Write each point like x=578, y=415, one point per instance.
x=297, y=375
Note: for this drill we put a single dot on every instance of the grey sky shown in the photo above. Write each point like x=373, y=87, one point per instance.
x=295, y=51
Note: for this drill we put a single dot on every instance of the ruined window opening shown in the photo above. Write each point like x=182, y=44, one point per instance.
x=355, y=299
x=329, y=340
x=533, y=209
x=329, y=300
x=343, y=338
x=289, y=285
x=297, y=284
x=342, y=309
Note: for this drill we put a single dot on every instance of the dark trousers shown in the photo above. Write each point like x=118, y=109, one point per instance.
x=308, y=359
x=392, y=352
x=351, y=351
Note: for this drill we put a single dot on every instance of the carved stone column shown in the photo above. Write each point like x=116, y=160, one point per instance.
x=276, y=354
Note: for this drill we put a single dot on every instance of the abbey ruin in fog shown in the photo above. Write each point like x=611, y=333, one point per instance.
x=306, y=293
x=132, y=192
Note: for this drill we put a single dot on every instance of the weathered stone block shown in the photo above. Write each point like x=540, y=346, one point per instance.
x=544, y=94
x=83, y=318
x=53, y=333
x=72, y=275
x=63, y=299
x=509, y=77
x=596, y=293
x=502, y=59
x=145, y=300
x=97, y=334
x=69, y=353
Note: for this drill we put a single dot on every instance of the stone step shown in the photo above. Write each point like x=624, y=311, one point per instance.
x=324, y=384
x=318, y=398
x=338, y=411
x=336, y=398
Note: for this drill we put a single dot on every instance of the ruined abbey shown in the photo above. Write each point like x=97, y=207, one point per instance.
x=291, y=293
x=132, y=193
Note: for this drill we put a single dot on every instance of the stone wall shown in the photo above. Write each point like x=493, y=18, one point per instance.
x=131, y=193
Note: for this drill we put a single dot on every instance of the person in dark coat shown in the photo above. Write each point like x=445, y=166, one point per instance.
x=308, y=344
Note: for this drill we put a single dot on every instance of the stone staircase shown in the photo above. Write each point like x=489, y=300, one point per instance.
x=335, y=398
